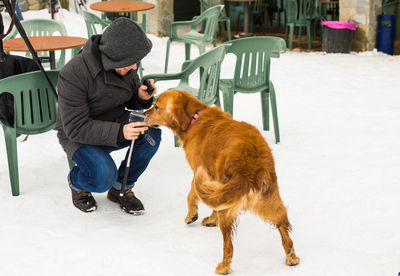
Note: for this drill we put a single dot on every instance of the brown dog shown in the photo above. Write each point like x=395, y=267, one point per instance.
x=232, y=164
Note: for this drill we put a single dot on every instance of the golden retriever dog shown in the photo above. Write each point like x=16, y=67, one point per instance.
x=232, y=164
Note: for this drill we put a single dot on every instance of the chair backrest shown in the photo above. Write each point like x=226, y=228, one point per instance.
x=210, y=19
x=209, y=65
x=252, y=68
x=43, y=27
x=35, y=107
x=205, y=4
x=299, y=10
x=258, y=6
x=91, y=21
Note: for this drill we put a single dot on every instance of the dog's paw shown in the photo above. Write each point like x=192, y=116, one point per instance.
x=292, y=259
x=209, y=222
x=223, y=269
x=191, y=219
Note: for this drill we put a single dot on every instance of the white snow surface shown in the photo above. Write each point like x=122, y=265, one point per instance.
x=338, y=167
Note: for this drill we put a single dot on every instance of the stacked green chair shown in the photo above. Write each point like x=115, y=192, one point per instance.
x=299, y=14
x=252, y=74
x=257, y=11
x=43, y=27
x=209, y=18
x=223, y=18
x=92, y=21
x=208, y=65
x=35, y=112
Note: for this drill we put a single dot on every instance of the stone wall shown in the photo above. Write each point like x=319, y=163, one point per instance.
x=159, y=18
x=365, y=14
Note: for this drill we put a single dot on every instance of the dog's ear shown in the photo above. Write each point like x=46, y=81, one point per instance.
x=185, y=107
x=181, y=117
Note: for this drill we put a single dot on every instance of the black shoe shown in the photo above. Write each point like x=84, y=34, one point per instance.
x=83, y=200
x=128, y=202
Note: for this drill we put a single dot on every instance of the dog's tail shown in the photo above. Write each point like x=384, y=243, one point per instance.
x=217, y=195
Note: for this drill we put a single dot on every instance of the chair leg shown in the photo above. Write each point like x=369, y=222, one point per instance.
x=300, y=36
x=221, y=30
x=144, y=21
x=187, y=51
x=227, y=96
x=274, y=112
x=291, y=30
x=309, y=36
x=202, y=49
x=71, y=163
x=166, y=56
x=265, y=109
x=140, y=70
x=228, y=29
x=286, y=33
x=10, y=137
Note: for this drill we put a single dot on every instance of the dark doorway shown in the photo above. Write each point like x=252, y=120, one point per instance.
x=186, y=9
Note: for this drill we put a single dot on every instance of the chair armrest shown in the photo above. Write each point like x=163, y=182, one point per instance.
x=164, y=77
x=175, y=25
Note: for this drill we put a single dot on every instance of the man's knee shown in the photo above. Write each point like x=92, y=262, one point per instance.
x=104, y=179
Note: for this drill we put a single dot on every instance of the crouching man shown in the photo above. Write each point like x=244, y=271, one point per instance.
x=95, y=88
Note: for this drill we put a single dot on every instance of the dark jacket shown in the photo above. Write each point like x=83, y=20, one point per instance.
x=92, y=101
x=10, y=66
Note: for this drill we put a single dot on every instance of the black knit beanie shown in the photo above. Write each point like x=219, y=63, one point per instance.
x=123, y=44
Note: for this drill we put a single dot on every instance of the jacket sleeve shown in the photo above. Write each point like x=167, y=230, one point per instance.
x=74, y=112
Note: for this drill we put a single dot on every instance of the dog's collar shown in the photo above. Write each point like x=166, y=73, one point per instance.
x=194, y=118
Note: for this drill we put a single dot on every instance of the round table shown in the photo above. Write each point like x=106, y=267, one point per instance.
x=45, y=43
x=116, y=7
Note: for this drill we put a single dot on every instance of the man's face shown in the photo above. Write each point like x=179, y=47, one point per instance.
x=123, y=71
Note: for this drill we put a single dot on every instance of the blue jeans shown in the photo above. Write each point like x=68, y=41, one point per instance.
x=95, y=170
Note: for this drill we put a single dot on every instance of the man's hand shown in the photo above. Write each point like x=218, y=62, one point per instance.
x=132, y=130
x=143, y=88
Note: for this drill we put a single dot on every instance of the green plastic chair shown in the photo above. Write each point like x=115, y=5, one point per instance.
x=92, y=21
x=257, y=11
x=208, y=65
x=209, y=18
x=43, y=27
x=299, y=14
x=35, y=112
x=223, y=18
x=252, y=74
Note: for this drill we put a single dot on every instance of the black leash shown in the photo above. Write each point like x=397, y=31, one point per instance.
x=15, y=20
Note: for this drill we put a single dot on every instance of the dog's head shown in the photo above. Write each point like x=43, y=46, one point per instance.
x=174, y=109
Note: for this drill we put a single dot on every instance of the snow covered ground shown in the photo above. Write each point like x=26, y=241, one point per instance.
x=338, y=168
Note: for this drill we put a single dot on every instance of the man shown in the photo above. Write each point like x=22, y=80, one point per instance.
x=94, y=89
